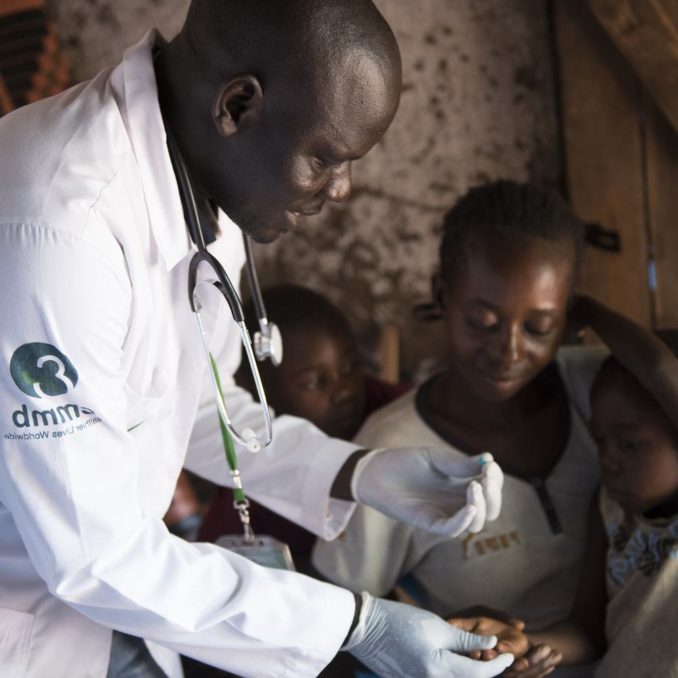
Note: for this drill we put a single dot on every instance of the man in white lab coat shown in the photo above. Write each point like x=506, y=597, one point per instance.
x=104, y=389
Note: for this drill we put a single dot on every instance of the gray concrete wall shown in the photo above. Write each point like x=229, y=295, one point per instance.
x=478, y=103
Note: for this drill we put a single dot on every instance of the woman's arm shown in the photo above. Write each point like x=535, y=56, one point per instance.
x=581, y=638
x=642, y=353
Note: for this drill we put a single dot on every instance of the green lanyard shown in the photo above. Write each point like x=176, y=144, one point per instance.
x=240, y=501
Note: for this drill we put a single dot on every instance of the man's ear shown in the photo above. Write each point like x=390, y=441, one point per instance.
x=438, y=290
x=237, y=101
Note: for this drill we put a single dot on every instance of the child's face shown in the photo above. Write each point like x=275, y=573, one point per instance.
x=320, y=379
x=505, y=314
x=636, y=442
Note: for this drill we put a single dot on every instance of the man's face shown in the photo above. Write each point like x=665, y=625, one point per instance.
x=284, y=165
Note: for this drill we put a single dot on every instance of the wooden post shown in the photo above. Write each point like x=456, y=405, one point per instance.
x=662, y=187
x=6, y=103
x=604, y=157
x=646, y=33
x=389, y=354
x=13, y=6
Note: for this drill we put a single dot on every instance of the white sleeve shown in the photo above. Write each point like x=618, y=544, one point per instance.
x=292, y=476
x=75, y=499
x=374, y=551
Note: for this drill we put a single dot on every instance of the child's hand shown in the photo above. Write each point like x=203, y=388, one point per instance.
x=510, y=636
x=578, y=317
x=539, y=660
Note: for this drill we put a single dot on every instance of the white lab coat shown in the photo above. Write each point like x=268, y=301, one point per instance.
x=93, y=262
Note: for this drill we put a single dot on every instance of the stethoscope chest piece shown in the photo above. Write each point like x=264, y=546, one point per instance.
x=268, y=344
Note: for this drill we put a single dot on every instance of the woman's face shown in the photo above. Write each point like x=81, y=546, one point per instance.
x=505, y=314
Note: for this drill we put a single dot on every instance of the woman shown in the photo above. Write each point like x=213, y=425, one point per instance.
x=508, y=265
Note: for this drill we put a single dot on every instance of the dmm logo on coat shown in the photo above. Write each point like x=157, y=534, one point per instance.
x=42, y=371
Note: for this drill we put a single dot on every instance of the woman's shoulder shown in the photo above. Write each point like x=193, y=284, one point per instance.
x=578, y=366
x=379, y=393
x=399, y=424
x=583, y=359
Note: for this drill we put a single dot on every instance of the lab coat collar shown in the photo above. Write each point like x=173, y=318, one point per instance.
x=147, y=134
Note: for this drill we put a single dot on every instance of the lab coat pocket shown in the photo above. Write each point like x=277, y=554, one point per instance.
x=16, y=632
x=149, y=406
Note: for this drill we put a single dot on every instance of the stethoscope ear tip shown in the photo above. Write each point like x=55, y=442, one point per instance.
x=253, y=446
x=252, y=442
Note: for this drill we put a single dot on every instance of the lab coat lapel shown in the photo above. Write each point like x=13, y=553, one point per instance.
x=147, y=134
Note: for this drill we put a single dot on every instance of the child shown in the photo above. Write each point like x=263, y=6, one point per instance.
x=508, y=264
x=185, y=513
x=321, y=378
x=639, y=503
x=635, y=421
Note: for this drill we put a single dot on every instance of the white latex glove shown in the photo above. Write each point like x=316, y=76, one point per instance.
x=430, y=488
x=396, y=640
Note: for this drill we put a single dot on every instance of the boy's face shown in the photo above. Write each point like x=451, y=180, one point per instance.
x=320, y=379
x=505, y=313
x=636, y=442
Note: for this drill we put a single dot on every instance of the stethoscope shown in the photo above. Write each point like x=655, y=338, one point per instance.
x=267, y=342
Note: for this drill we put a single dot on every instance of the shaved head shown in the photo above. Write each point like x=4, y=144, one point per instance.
x=272, y=100
x=279, y=39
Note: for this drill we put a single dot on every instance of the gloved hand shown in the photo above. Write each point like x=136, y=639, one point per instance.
x=396, y=640
x=430, y=488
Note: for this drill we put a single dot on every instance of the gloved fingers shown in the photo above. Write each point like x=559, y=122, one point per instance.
x=495, y=666
x=465, y=641
x=475, y=497
x=457, y=665
x=492, y=481
x=458, y=468
x=452, y=526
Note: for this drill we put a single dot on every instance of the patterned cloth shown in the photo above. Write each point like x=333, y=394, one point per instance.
x=642, y=586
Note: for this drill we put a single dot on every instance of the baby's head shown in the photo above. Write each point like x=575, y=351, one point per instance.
x=637, y=442
x=321, y=377
x=508, y=264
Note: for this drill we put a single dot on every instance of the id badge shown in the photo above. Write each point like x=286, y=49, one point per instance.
x=264, y=550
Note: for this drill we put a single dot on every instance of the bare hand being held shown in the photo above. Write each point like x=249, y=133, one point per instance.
x=538, y=661
x=510, y=636
x=401, y=641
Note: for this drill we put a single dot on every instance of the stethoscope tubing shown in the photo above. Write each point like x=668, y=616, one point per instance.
x=247, y=437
